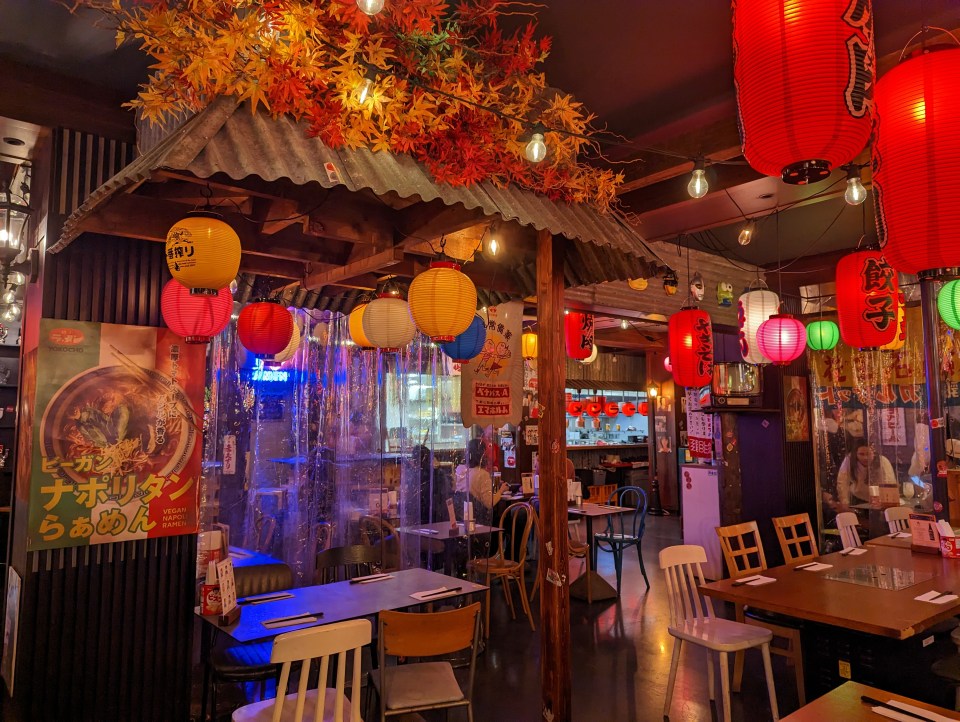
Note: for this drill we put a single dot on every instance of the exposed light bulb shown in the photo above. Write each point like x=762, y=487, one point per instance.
x=536, y=149
x=17, y=278
x=11, y=314
x=566, y=311
x=493, y=246
x=623, y=324
x=698, y=186
x=855, y=193
x=365, y=89
x=746, y=234
x=370, y=7
x=9, y=297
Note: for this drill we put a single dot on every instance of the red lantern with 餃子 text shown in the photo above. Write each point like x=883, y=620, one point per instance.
x=916, y=153
x=691, y=347
x=579, y=334
x=575, y=408
x=803, y=71
x=867, y=300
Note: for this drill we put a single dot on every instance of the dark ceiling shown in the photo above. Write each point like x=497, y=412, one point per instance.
x=651, y=71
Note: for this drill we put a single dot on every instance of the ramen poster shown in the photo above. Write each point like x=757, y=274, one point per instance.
x=116, y=434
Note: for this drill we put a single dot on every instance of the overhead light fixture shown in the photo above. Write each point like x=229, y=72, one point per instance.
x=855, y=194
x=366, y=86
x=370, y=7
x=536, y=149
x=652, y=391
x=698, y=186
x=14, y=213
x=624, y=324
x=746, y=233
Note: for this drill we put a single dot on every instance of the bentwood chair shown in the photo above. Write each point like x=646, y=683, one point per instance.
x=377, y=532
x=897, y=518
x=510, y=561
x=305, y=646
x=692, y=619
x=743, y=553
x=343, y=563
x=795, y=534
x=579, y=549
x=848, y=523
x=419, y=686
x=233, y=662
x=620, y=535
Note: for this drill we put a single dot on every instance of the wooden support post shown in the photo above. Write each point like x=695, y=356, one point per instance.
x=930, y=319
x=554, y=586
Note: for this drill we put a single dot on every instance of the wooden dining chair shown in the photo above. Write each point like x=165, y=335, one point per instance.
x=897, y=518
x=419, y=686
x=343, y=563
x=337, y=640
x=848, y=524
x=692, y=619
x=795, y=534
x=743, y=554
x=378, y=532
x=510, y=561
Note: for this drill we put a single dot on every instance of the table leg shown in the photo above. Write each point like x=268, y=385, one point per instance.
x=600, y=589
x=206, y=643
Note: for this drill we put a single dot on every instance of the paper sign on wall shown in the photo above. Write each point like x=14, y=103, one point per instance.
x=492, y=385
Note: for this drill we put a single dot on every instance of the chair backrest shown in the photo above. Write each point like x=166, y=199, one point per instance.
x=742, y=549
x=628, y=496
x=262, y=578
x=323, y=533
x=795, y=534
x=600, y=492
x=517, y=523
x=321, y=643
x=264, y=528
x=682, y=566
x=343, y=563
x=375, y=531
x=897, y=518
x=847, y=523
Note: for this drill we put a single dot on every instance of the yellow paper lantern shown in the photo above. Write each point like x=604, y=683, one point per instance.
x=387, y=323
x=443, y=301
x=528, y=345
x=638, y=284
x=203, y=252
x=355, y=324
x=291, y=347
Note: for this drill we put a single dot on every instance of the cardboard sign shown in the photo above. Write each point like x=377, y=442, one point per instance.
x=925, y=537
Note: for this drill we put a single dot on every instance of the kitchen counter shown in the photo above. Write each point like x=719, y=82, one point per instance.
x=599, y=447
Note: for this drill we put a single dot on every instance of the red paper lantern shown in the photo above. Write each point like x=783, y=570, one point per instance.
x=575, y=408
x=197, y=318
x=803, y=70
x=781, y=338
x=644, y=408
x=578, y=334
x=594, y=408
x=264, y=327
x=916, y=153
x=612, y=409
x=628, y=409
x=867, y=300
x=691, y=347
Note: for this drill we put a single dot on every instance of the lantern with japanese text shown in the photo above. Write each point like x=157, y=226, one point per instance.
x=387, y=323
x=948, y=304
x=691, y=347
x=264, y=327
x=822, y=335
x=289, y=350
x=900, y=338
x=355, y=326
x=628, y=409
x=203, y=252
x=575, y=408
x=578, y=329
x=443, y=301
x=916, y=152
x=594, y=408
x=781, y=338
x=803, y=71
x=528, y=345
x=594, y=352
x=753, y=308
x=468, y=344
x=611, y=409
x=867, y=294
x=197, y=318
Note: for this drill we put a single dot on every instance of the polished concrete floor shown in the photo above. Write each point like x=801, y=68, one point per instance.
x=621, y=657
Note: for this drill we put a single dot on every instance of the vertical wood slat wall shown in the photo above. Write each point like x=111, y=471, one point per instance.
x=106, y=630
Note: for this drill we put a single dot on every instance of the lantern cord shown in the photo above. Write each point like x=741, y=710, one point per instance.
x=922, y=33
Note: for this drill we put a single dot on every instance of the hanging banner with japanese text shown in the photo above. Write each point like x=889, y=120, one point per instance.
x=492, y=383
x=116, y=434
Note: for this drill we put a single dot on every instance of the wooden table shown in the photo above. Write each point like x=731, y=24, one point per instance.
x=600, y=589
x=887, y=613
x=446, y=534
x=843, y=703
x=887, y=541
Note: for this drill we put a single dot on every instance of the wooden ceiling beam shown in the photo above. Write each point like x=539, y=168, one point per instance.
x=425, y=222
x=380, y=261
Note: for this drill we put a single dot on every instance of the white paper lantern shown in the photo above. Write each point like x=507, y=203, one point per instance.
x=387, y=323
x=753, y=308
x=291, y=347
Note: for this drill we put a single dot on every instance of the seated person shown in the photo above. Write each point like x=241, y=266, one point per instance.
x=862, y=469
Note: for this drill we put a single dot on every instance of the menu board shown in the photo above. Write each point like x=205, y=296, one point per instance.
x=699, y=427
x=116, y=434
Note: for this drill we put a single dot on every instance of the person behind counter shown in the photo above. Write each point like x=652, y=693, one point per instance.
x=862, y=468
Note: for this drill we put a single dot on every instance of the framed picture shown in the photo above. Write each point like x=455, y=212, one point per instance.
x=796, y=408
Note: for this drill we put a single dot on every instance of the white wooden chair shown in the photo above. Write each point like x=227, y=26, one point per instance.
x=305, y=645
x=897, y=518
x=847, y=523
x=692, y=620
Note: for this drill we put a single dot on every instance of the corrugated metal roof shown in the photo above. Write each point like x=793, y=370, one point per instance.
x=225, y=138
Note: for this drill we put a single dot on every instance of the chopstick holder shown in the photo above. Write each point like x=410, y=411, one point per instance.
x=428, y=595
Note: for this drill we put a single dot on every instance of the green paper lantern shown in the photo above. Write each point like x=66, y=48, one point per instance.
x=822, y=335
x=948, y=304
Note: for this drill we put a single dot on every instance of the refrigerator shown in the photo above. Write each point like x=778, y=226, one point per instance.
x=700, y=493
